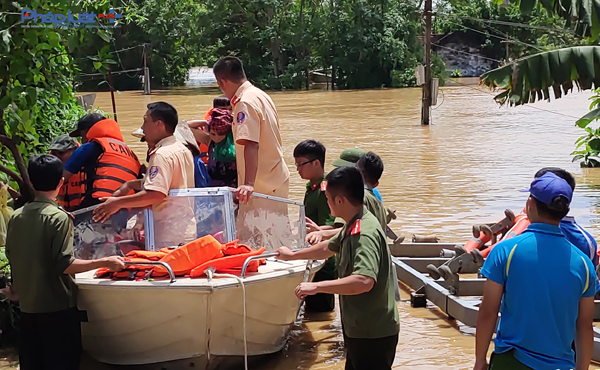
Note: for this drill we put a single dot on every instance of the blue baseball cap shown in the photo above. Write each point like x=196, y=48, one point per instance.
x=546, y=188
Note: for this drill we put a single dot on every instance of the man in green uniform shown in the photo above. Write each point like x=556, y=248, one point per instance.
x=42, y=266
x=309, y=156
x=366, y=285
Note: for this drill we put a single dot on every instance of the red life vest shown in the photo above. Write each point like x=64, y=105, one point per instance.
x=71, y=193
x=116, y=165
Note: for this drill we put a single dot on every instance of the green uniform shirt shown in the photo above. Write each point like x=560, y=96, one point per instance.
x=39, y=247
x=361, y=249
x=315, y=204
x=374, y=206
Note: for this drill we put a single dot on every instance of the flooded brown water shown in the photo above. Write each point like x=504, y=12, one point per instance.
x=464, y=169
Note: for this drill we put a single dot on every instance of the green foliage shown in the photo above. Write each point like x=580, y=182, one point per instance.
x=9, y=312
x=36, y=71
x=280, y=41
x=531, y=78
x=588, y=145
x=474, y=19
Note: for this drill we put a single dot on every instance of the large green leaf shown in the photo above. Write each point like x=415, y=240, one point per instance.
x=528, y=79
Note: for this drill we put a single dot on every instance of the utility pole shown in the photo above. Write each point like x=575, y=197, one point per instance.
x=426, y=100
x=146, y=72
x=112, y=93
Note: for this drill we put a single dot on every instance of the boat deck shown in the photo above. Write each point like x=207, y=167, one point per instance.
x=273, y=269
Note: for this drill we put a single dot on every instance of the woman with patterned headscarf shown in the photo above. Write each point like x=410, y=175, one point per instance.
x=221, y=147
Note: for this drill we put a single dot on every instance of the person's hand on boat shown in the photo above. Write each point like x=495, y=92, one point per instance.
x=311, y=226
x=314, y=237
x=114, y=263
x=305, y=289
x=106, y=209
x=244, y=192
x=285, y=254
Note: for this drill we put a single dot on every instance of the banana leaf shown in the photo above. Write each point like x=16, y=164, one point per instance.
x=529, y=79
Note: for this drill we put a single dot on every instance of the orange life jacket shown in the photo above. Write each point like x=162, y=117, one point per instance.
x=183, y=259
x=116, y=165
x=71, y=193
x=229, y=264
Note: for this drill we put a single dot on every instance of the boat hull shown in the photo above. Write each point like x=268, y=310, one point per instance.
x=131, y=323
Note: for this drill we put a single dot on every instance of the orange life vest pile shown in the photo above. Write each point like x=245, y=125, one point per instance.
x=191, y=259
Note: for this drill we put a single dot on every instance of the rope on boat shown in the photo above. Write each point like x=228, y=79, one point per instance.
x=210, y=274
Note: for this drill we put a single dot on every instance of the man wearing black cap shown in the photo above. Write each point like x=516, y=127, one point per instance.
x=543, y=287
x=104, y=159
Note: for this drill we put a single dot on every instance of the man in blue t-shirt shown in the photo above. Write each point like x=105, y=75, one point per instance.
x=570, y=229
x=543, y=288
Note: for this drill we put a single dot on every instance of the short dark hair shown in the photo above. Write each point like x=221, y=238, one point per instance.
x=563, y=174
x=221, y=101
x=311, y=150
x=556, y=210
x=229, y=68
x=165, y=112
x=347, y=182
x=370, y=166
x=45, y=172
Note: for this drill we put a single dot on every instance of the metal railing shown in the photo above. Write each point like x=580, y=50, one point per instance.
x=154, y=263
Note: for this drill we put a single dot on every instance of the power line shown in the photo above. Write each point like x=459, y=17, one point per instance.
x=506, y=23
x=114, y=73
x=523, y=105
x=502, y=37
x=464, y=52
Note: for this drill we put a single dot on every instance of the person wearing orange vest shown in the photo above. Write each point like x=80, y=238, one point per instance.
x=71, y=192
x=105, y=161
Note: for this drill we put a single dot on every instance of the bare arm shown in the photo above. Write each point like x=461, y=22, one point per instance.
x=584, y=335
x=67, y=175
x=201, y=136
x=350, y=285
x=197, y=123
x=486, y=321
x=250, y=160
x=111, y=205
x=114, y=263
x=318, y=251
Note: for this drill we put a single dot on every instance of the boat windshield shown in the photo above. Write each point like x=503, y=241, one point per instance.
x=188, y=214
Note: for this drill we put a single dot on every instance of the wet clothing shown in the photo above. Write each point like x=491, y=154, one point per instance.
x=50, y=341
x=255, y=119
x=317, y=209
x=506, y=361
x=580, y=238
x=315, y=203
x=222, y=173
x=361, y=249
x=544, y=278
x=371, y=354
x=38, y=259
